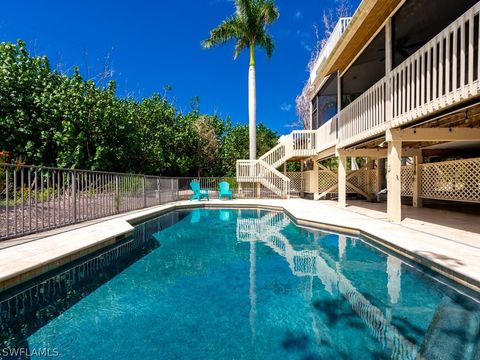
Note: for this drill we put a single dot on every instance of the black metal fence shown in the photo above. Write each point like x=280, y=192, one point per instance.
x=36, y=198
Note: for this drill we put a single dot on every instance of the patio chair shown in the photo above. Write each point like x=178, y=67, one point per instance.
x=225, y=190
x=198, y=194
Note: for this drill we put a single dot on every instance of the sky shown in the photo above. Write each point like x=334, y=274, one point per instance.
x=151, y=45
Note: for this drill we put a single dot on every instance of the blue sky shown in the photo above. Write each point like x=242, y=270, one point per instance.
x=150, y=44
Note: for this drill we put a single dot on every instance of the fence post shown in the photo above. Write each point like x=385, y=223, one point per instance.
x=74, y=195
x=144, y=192
x=7, y=195
x=117, y=194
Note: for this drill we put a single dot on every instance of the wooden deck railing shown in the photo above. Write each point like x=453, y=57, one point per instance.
x=329, y=45
x=442, y=73
x=364, y=117
x=260, y=172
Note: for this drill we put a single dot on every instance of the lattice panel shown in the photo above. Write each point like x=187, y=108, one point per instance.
x=326, y=180
x=372, y=186
x=296, y=181
x=364, y=179
x=358, y=180
x=407, y=174
x=452, y=180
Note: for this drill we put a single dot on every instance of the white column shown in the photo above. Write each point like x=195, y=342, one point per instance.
x=394, y=204
x=342, y=180
x=252, y=112
x=339, y=99
x=388, y=69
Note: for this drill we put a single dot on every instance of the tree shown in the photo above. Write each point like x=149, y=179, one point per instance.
x=248, y=28
x=235, y=145
x=55, y=119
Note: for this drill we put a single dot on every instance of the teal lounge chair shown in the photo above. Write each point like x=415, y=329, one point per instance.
x=198, y=194
x=225, y=190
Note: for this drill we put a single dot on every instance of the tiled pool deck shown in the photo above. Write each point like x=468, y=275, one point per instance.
x=450, y=247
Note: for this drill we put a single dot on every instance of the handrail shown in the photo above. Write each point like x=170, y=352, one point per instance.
x=365, y=116
x=329, y=45
x=275, y=156
x=268, y=176
x=442, y=73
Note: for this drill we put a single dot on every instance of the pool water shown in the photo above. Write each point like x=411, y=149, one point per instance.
x=240, y=284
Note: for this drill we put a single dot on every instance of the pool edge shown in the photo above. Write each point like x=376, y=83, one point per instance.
x=132, y=219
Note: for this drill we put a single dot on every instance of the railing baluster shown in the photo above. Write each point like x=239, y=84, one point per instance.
x=454, y=60
x=15, y=200
x=462, y=54
x=7, y=200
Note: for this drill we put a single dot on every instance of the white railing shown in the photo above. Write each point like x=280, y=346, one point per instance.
x=275, y=156
x=299, y=143
x=442, y=73
x=364, y=117
x=329, y=45
x=269, y=177
x=304, y=142
x=327, y=134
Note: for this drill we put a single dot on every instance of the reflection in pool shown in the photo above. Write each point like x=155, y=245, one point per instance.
x=244, y=284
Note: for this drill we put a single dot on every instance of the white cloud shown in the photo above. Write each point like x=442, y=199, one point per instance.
x=298, y=15
x=306, y=46
x=286, y=107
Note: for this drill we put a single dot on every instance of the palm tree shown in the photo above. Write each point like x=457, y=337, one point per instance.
x=248, y=28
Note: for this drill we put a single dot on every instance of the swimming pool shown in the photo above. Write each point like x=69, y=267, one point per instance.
x=239, y=284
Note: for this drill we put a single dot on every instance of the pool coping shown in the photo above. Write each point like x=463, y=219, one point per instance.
x=50, y=252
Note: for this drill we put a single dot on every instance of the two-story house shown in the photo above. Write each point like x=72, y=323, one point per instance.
x=396, y=88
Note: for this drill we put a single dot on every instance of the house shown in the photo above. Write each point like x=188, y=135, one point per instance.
x=394, y=98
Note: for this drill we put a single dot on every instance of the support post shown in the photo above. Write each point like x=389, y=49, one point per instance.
x=388, y=69
x=417, y=181
x=258, y=189
x=285, y=168
x=394, y=203
x=342, y=179
x=339, y=102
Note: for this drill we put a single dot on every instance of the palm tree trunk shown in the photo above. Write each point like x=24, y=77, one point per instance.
x=252, y=107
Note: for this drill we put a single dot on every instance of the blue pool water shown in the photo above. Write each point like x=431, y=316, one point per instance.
x=240, y=284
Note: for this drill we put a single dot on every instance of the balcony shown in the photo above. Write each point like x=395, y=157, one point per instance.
x=442, y=73
x=329, y=46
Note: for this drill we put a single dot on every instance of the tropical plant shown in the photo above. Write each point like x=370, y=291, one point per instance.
x=54, y=119
x=248, y=28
